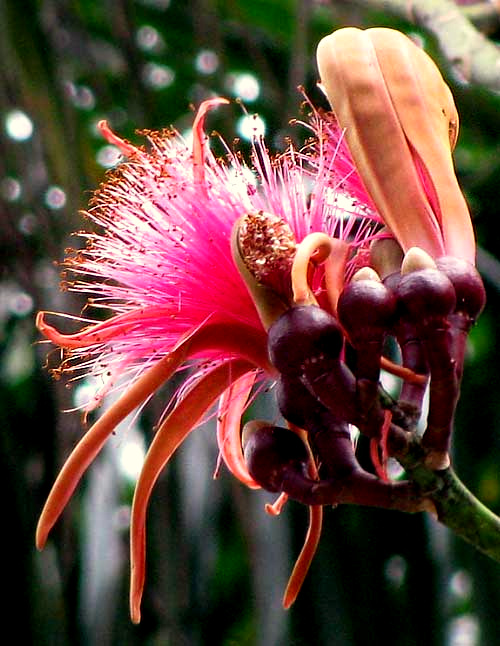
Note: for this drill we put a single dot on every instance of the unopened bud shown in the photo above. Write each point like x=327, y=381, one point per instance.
x=302, y=334
x=426, y=293
x=366, y=310
x=270, y=452
x=469, y=288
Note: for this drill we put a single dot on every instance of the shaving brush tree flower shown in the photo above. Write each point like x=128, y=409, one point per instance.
x=253, y=274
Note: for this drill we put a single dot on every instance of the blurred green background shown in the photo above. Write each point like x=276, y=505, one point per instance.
x=217, y=564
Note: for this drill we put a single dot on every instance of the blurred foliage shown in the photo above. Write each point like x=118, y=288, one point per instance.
x=217, y=565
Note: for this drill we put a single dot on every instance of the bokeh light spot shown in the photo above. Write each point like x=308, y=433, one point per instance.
x=251, y=126
x=10, y=189
x=81, y=96
x=157, y=77
x=206, y=61
x=245, y=86
x=395, y=569
x=18, y=125
x=132, y=452
x=108, y=156
x=463, y=631
x=28, y=223
x=55, y=198
x=461, y=585
x=149, y=39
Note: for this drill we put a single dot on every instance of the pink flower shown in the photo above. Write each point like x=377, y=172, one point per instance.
x=162, y=270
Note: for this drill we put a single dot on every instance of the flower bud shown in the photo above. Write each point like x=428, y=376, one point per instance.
x=366, y=310
x=469, y=288
x=272, y=451
x=426, y=293
x=303, y=333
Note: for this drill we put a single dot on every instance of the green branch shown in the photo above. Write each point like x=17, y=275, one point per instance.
x=456, y=506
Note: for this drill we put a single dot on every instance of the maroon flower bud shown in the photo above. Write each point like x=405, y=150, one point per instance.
x=366, y=310
x=469, y=288
x=270, y=452
x=426, y=294
x=303, y=333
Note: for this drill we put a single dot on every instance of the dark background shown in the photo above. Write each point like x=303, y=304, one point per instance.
x=217, y=565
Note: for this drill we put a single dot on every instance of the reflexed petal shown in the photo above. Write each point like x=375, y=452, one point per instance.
x=313, y=535
x=92, y=442
x=172, y=432
x=99, y=333
x=224, y=337
x=232, y=404
x=306, y=556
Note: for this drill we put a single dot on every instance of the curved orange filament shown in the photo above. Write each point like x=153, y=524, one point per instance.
x=314, y=248
x=311, y=541
x=400, y=371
